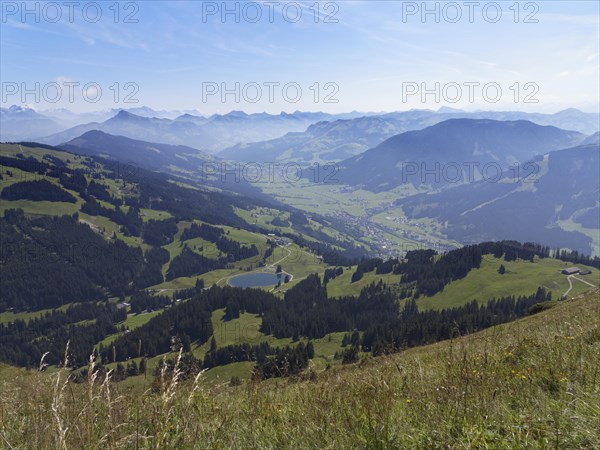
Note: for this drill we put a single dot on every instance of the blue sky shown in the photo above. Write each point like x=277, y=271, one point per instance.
x=372, y=57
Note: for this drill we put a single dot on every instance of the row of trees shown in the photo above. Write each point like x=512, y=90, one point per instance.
x=23, y=343
x=131, y=221
x=576, y=258
x=189, y=263
x=412, y=327
x=330, y=274
x=159, y=232
x=151, y=273
x=233, y=249
x=204, y=231
x=37, y=191
x=147, y=301
x=430, y=272
x=186, y=322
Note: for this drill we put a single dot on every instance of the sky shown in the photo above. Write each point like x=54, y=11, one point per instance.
x=276, y=56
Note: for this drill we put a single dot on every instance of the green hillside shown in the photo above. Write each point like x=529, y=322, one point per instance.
x=506, y=387
x=167, y=228
x=521, y=278
x=342, y=285
x=123, y=184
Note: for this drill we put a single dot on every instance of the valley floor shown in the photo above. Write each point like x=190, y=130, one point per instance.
x=533, y=383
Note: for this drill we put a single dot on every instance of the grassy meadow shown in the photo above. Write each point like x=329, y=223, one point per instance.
x=533, y=383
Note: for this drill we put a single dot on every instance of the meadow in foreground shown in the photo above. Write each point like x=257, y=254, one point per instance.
x=533, y=383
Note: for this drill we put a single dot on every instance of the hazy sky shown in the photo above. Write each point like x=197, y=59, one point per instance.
x=367, y=55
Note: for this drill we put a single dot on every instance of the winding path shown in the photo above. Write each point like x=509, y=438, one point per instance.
x=570, y=286
x=583, y=281
x=570, y=279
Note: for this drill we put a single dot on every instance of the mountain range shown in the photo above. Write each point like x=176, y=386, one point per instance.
x=454, y=151
x=550, y=194
x=297, y=136
x=186, y=163
x=209, y=134
x=21, y=123
x=473, y=175
x=321, y=142
x=337, y=140
x=150, y=155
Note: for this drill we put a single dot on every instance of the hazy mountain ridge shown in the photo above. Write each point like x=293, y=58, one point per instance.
x=56, y=126
x=568, y=119
x=465, y=206
x=436, y=154
x=341, y=139
x=187, y=163
x=321, y=142
x=18, y=122
x=208, y=134
x=592, y=139
x=151, y=155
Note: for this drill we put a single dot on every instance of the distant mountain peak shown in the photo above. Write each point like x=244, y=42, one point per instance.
x=188, y=116
x=235, y=113
x=570, y=111
x=448, y=110
x=93, y=133
x=20, y=108
x=15, y=108
x=122, y=114
x=126, y=115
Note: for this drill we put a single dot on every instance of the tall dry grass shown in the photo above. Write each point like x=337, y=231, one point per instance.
x=534, y=383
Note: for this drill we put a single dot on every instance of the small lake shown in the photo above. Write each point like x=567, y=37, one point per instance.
x=256, y=280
